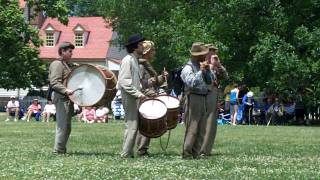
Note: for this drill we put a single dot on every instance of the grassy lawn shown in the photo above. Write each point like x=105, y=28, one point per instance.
x=241, y=152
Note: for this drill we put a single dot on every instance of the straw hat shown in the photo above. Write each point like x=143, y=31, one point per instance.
x=198, y=49
x=147, y=46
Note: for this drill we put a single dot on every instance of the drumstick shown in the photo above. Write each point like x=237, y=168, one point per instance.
x=78, y=89
x=165, y=77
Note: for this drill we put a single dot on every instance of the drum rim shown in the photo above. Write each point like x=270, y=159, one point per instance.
x=172, y=97
x=69, y=75
x=155, y=100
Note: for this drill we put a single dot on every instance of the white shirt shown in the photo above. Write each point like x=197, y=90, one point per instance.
x=51, y=108
x=14, y=104
x=102, y=111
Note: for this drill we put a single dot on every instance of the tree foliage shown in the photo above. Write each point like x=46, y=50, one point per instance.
x=264, y=43
x=20, y=66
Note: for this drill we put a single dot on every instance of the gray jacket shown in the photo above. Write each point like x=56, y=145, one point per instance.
x=196, y=81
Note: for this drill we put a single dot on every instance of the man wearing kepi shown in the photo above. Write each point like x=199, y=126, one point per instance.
x=130, y=87
x=212, y=99
x=197, y=78
x=58, y=71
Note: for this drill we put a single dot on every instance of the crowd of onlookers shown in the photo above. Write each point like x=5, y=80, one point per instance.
x=246, y=108
x=241, y=106
x=15, y=112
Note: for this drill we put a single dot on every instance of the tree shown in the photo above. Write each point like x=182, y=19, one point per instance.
x=263, y=43
x=20, y=66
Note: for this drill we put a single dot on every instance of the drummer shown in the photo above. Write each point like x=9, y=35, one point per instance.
x=58, y=72
x=130, y=87
x=151, y=82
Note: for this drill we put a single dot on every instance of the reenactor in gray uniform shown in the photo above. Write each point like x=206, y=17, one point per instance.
x=130, y=86
x=58, y=72
x=211, y=127
x=198, y=79
x=151, y=81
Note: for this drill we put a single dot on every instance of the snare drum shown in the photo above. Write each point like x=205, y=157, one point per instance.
x=93, y=85
x=152, y=118
x=173, y=106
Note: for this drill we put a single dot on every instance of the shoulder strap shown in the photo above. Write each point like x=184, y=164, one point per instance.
x=188, y=64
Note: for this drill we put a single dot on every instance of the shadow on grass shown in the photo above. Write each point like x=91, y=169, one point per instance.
x=80, y=153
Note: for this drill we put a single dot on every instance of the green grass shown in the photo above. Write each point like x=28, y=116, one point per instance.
x=241, y=152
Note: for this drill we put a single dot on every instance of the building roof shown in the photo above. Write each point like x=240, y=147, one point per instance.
x=116, y=52
x=96, y=46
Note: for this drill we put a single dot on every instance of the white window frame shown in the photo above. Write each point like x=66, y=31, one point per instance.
x=79, y=39
x=50, y=39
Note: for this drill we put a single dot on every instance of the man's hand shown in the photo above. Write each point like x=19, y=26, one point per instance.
x=165, y=73
x=152, y=81
x=204, y=66
x=69, y=92
x=143, y=97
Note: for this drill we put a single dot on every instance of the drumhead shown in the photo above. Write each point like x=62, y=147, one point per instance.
x=152, y=109
x=90, y=83
x=171, y=102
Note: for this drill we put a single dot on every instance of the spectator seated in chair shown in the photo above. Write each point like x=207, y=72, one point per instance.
x=34, y=110
x=102, y=114
x=89, y=115
x=12, y=108
x=274, y=114
x=289, y=108
x=48, y=111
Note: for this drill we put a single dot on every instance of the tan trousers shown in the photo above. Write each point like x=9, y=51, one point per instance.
x=64, y=113
x=211, y=121
x=142, y=143
x=130, y=106
x=195, y=117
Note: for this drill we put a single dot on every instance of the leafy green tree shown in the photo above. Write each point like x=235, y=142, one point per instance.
x=263, y=43
x=20, y=66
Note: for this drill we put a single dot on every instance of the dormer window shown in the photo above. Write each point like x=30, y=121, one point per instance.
x=79, y=39
x=50, y=39
x=51, y=36
x=80, y=35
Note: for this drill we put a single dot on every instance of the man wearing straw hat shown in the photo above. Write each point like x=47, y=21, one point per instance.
x=211, y=121
x=150, y=83
x=130, y=87
x=197, y=78
x=58, y=72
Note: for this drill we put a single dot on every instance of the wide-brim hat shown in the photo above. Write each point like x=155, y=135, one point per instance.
x=136, y=38
x=199, y=49
x=211, y=47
